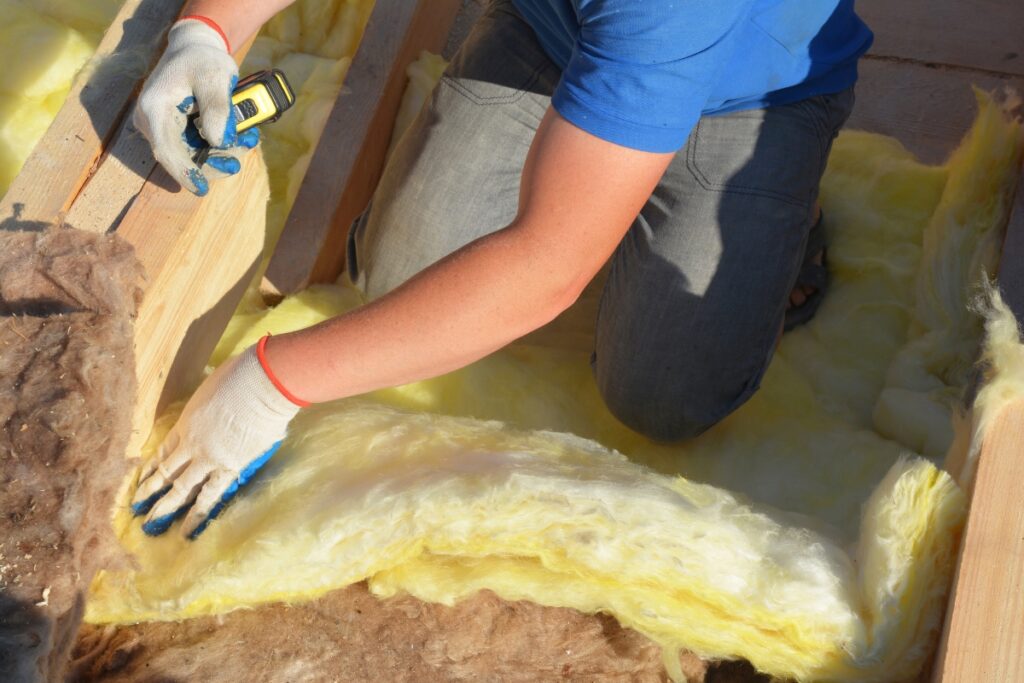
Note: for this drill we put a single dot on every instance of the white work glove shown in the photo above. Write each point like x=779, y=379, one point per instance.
x=196, y=72
x=230, y=428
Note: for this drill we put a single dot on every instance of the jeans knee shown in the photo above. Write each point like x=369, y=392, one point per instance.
x=667, y=412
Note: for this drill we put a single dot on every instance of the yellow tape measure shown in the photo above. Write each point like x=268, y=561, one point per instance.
x=261, y=98
x=257, y=99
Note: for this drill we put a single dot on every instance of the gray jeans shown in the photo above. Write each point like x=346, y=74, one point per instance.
x=697, y=289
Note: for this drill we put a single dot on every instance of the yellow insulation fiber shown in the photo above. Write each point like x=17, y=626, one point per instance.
x=43, y=44
x=508, y=475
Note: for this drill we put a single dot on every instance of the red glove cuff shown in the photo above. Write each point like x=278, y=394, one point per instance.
x=212, y=24
x=261, y=355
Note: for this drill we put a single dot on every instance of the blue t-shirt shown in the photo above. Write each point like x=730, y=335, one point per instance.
x=640, y=73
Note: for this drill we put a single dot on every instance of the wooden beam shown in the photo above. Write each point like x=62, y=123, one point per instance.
x=985, y=620
x=349, y=159
x=125, y=167
x=199, y=254
x=94, y=171
x=67, y=154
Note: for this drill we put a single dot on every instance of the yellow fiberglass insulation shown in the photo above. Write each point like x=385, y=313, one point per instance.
x=508, y=475
x=43, y=45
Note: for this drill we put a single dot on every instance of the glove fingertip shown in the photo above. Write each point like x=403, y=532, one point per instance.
x=224, y=164
x=187, y=104
x=201, y=527
x=249, y=138
x=159, y=525
x=143, y=506
x=199, y=184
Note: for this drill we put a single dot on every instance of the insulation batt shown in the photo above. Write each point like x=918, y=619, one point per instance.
x=43, y=44
x=67, y=299
x=805, y=533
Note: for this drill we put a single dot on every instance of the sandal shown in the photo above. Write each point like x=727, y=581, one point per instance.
x=811, y=275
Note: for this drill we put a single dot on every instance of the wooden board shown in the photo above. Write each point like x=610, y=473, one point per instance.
x=63, y=159
x=985, y=620
x=928, y=109
x=350, y=156
x=985, y=35
x=127, y=165
x=200, y=254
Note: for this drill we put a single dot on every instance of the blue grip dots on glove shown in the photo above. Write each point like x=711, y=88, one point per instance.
x=160, y=525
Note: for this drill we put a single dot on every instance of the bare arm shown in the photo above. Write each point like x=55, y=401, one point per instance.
x=239, y=19
x=579, y=195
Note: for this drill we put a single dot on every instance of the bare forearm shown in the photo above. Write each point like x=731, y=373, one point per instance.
x=578, y=196
x=239, y=19
x=466, y=306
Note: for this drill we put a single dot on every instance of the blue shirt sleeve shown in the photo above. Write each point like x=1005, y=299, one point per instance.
x=639, y=78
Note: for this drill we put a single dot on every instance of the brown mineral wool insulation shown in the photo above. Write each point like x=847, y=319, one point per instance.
x=482, y=638
x=67, y=299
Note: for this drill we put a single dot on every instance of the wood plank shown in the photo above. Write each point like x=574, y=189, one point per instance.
x=200, y=254
x=977, y=34
x=124, y=168
x=985, y=620
x=927, y=109
x=350, y=156
x=65, y=156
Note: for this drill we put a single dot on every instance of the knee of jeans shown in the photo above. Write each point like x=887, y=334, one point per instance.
x=666, y=411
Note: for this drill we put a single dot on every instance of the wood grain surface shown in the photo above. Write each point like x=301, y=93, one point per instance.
x=63, y=160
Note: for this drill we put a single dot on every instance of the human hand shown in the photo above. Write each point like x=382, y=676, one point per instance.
x=195, y=72
x=229, y=429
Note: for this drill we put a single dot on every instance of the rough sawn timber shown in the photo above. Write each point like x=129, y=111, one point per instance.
x=985, y=619
x=199, y=255
x=63, y=160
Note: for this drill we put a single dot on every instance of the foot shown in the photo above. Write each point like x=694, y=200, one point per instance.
x=810, y=282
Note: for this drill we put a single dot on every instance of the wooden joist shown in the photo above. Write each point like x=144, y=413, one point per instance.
x=200, y=254
x=982, y=35
x=985, y=621
x=348, y=161
x=915, y=83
